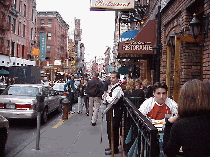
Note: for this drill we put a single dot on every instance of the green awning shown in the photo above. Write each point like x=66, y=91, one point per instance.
x=4, y=72
x=123, y=70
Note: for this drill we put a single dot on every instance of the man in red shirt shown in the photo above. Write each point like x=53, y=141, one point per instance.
x=157, y=106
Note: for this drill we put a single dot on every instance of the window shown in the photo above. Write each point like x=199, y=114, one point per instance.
x=50, y=22
x=48, y=36
x=15, y=3
x=42, y=22
x=31, y=33
x=13, y=25
x=19, y=24
x=24, y=30
x=48, y=49
x=20, y=6
x=24, y=11
x=32, y=15
x=23, y=49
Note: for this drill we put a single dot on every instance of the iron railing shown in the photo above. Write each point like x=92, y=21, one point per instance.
x=137, y=101
x=140, y=137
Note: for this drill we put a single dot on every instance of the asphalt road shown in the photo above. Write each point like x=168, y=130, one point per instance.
x=21, y=130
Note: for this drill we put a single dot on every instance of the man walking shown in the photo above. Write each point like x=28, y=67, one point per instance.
x=94, y=90
x=115, y=92
x=69, y=87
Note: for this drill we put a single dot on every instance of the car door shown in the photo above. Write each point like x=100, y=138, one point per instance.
x=53, y=99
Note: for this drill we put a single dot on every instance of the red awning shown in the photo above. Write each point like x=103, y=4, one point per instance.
x=143, y=42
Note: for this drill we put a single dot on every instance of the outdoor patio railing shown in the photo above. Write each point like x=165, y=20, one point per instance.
x=140, y=137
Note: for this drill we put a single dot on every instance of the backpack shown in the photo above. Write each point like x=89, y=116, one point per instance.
x=93, y=89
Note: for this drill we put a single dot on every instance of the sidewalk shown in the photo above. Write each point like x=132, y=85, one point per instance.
x=75, y=137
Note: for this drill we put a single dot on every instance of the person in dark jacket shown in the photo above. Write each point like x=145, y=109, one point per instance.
x=86, y=98
x=95, y=90
x=70, y=89
x=190, y=128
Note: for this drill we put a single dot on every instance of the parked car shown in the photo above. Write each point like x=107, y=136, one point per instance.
x=19, y=101
x=59, y=88
x=4, y=131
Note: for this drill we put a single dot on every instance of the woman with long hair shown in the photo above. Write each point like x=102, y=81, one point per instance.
x=190, y=129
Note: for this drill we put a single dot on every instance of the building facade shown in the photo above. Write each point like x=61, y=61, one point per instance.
x=19, y=37
x=52, y=35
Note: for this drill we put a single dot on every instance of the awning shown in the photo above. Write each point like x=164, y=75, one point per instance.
x=128, y=35
x=4, y=72
x=123, y=70
x=143, y=42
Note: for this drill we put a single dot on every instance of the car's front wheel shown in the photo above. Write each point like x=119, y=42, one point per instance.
x=2, y=143
x=44, y=115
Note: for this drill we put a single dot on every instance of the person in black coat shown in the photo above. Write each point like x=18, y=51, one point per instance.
x=190, y=128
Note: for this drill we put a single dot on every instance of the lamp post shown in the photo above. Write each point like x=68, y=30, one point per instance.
x=195, y=26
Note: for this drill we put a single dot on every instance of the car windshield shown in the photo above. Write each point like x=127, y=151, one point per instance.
x=25, y=91
x=59, y=87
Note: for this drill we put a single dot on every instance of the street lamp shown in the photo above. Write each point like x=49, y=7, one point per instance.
x=195, y=26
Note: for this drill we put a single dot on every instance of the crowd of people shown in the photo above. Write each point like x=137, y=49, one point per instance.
x=187, y=127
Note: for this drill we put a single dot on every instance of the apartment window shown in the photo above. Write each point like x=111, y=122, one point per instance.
x=42, y=22
x=32, y=15
x=17, y=50
x=13, y=49
x=15, y=3
x=49, y=36
x=24, y=30
x=7, y=43
x=13, y=25
x=23, y=49
x=48, y=49
x=31, y=33
x=19, y=24
x=50, y=22
x=24, y=10
x=20, y=6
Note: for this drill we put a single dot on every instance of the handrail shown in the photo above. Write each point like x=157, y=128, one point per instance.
x=140, y=135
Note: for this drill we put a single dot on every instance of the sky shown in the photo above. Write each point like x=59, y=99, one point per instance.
x=97, y=26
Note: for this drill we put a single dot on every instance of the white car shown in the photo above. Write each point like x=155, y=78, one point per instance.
x=19, y=101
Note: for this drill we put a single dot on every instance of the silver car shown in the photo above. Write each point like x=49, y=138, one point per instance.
x=4, y=131
x=19, y=101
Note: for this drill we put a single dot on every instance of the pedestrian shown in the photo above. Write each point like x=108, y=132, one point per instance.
x=147, y=88
x=80, y=90
x=156, y=107
x=190, y=128
x=70, y=89
x=114, y=92
x=86, y=98
x=95, y=91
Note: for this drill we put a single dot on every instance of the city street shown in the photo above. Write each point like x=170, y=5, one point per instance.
x=21, y=130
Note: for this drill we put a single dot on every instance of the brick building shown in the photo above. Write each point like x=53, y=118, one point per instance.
x=19, y=36
x=173, y=62
x=55, y=31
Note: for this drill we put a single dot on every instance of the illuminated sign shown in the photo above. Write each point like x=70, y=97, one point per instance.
x=42, y=52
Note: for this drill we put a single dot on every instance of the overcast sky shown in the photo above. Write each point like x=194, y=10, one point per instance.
x=97, y=26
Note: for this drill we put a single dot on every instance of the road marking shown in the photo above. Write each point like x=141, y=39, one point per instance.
x=61, y=121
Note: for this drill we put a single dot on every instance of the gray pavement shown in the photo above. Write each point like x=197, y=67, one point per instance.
x=75, y=137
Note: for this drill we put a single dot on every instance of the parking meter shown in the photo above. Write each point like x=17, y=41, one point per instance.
x=40, y=103
x=39, y=109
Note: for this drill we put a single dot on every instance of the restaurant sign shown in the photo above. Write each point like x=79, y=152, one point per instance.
x=143, y=42
x=111, y=4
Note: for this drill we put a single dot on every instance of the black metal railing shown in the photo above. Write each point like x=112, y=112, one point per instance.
x=140, y=137
x=137, y=101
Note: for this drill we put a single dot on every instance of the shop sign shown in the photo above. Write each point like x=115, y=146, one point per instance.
x=57, y=62
x=111, y=4
x=143, y=42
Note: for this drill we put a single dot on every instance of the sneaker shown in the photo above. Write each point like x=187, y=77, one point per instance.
x=93, y=124
x=110, y=152
x=107, y=149
x=87, y=114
